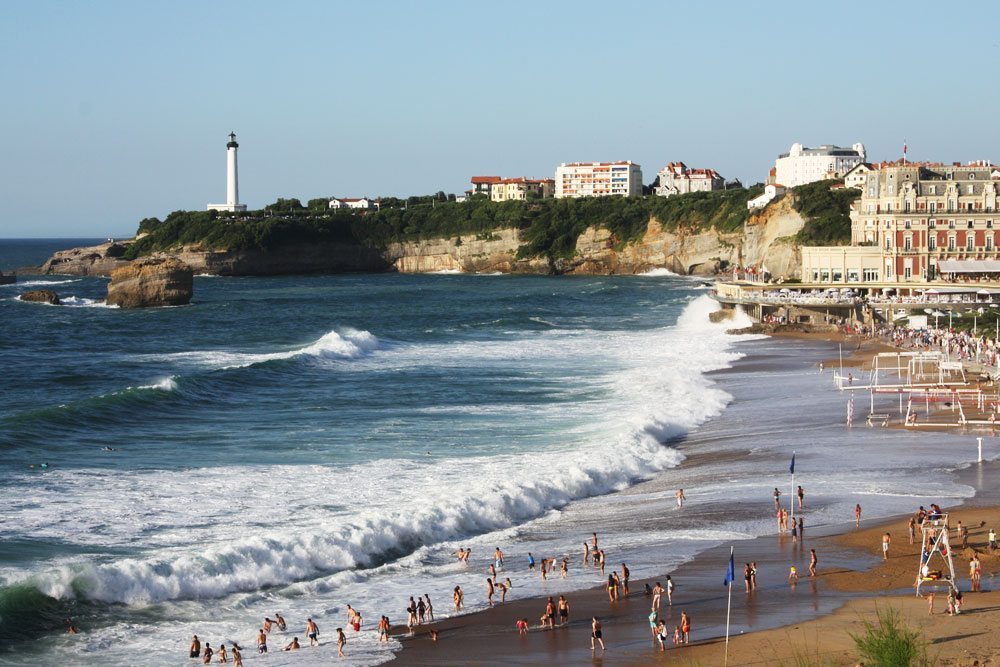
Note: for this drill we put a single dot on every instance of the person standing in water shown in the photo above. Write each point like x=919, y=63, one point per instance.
x=195, y=646
x=222, y=653
x=586, y=553
x=563, y=609
x=531, y=560
x=801, y=494
x=680, y=497
x=341, y=641
x=777, y=499
x=857, y=515
x=489, y=591
x=457, y=596
x=686, y=627
x=430, y=608
x=625, y=577
x=813, y=561
x=596, y=635
x=262, y=642
x=670, y=591
x=312, y=632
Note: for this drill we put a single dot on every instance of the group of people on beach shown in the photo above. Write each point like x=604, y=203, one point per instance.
x=205, y=652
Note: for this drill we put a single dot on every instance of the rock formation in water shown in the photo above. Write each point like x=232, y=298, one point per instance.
x=41, y=296
x=151, y=282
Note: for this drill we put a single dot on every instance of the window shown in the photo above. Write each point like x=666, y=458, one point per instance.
x=838, y=276
x=989, y=242
x=989, y=224
x=968, y=207
x=888, y=242
x=932, y=190
x=852, y=275
x=951, y=204
x=951, y=224
x=870, y=275
x=815, y=275
x=951, y=242
x=972, y=177
x=825, y=275
x=969, y=189
x=933, y=206
x=907, y=271
x=908, y=242
x=906, y=224
x=968, y=241
x=971, y=224
x=930, y=223
x=932, y=243
x=888, y=269
x=906, y=207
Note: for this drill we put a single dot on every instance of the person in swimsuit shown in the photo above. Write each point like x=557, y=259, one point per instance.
x=293, y=645
x=595, y=633
x=564, y=571
x=522, y=626
x=680, y=497
x=793, y=575
x=430, y=608
x=544, y=569
x=857, y=515
x=267, y=625
x=801, y=494
x=586, y=553
x=503, y=591
x=660, y=632
x=813, y=561
x=625, y=577
x=886, y=539
x=421, y=610
x=195, y=651
x=670, y=590
x=498, y=558
x=612, y=589
x=237, y=656
x=746, y=576
x=795, y=532
x=753, y=575
x=262, y=641
x=657, y=592
x=457, y=596
x=207, y=655
x=777, y=499
x=312, y=632
x=279, y=619
x=531, y=561
x=686, y=627
x=550, y=613
x=594, y=538
x=563, y=608
x=222, y=654
x=341, y=641
x=600, y=560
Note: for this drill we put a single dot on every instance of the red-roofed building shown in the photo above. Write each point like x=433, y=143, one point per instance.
x=358, y=203
x=677, y=179
x=483, y=185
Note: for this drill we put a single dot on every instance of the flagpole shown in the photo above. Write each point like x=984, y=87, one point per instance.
x=729, y=606
x=792, y=498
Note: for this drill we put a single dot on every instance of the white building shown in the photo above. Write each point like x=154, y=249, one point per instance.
x=598, y=179
x=856, y=176
x=771, y=192
x=801, y=165
x=232, y=204
x=677, y=179
x=360, y=203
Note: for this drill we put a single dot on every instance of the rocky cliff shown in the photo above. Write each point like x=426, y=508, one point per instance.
x=767, y=239
x=151, y=282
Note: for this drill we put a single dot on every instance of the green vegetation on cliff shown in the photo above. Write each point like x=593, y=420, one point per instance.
x=826, y=212
x=549, y=227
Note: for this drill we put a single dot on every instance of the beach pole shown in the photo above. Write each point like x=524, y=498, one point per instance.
x=729, y=605
x=980, y=441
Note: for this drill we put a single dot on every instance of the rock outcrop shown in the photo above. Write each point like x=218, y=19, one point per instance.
x=41, y=296
x=98, y=260
x=151, y=282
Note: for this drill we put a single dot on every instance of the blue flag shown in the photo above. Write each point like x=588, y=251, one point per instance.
x=730, y=573
x=791, y=468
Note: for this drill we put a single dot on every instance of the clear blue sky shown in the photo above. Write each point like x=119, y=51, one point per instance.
x=114, y=111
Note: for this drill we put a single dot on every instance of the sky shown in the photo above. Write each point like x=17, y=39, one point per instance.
x=117, y=111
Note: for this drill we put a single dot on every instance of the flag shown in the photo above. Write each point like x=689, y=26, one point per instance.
x=730, y=572
x=904, y=146
x=791, y=468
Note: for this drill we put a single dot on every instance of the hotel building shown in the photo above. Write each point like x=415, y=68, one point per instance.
x=677, y=179
x=915, y=222
x=598, y=179
x=801, y=165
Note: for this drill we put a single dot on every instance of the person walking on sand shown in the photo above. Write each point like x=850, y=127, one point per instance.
x=618, y=583
x=813, y=561
x=563, y=609
x=930, y=604
x=886, y=539
x=801, y=494
x=595, y=634
x=457, y=596
x=992, y=539
x=657, y=591
x=625, y=577
x=612, y=589
x=312, y=632
x=670, y=590
x=489, y=591
x=686, y=627
x=680, y=497
x=911, y=528
x=341, y=640
x=857, y=515
x=550, y=613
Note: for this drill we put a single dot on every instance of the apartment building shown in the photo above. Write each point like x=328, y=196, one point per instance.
x=483, y=185
x=801, y=165
x=598, y=179
x=921, y=221
x=677, y=179
x=520, y=189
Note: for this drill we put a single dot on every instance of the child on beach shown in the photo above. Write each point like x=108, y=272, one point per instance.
x=677, y=635
x=686, y=627
x=660, y=633
x=341, y=641
x=522, y=626
x=793, y=575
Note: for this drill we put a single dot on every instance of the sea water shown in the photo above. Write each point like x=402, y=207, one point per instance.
x=297, y=444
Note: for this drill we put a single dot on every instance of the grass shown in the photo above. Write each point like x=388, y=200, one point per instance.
x=889, y=642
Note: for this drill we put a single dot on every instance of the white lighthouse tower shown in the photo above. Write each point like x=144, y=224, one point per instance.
x=232, y=181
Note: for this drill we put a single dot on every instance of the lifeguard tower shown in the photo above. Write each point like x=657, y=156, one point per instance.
x=935, y=552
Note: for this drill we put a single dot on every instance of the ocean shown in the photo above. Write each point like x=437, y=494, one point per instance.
x=297, y=444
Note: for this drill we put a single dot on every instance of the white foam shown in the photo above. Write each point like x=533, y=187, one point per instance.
x=163, y=384
x=658, y=272
x=343, y=344
x=84, y=302
x=446, y=272
x=42, y=283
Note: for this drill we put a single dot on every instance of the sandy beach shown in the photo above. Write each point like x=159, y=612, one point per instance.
x=778, y=623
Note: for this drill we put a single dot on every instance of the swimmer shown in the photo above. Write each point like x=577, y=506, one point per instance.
x=207, y=655
x=262, y=642
x=312, y=632
x=280, y=621
x=458, y=596
x=237, y=656
x=293, y=645
x=680, y=497
x=341, y=641
x=222, y=653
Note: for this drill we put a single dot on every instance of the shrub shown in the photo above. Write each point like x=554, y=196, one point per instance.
x=888, y=642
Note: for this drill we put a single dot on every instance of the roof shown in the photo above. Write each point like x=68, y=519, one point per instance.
x=525, y=179
x=598, y=164
x=485, y=179
x=969, y=266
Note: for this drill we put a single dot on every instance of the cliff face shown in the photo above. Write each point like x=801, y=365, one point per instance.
x=148, y=283
x=767, y=239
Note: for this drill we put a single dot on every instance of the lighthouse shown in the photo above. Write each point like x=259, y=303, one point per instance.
x=232, y=180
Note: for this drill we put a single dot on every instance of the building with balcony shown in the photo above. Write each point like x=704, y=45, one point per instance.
x=925, y=221
x=801, y=165
x=598, y=179
x=520, y=189
x=483, y=185
x=677, y=179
